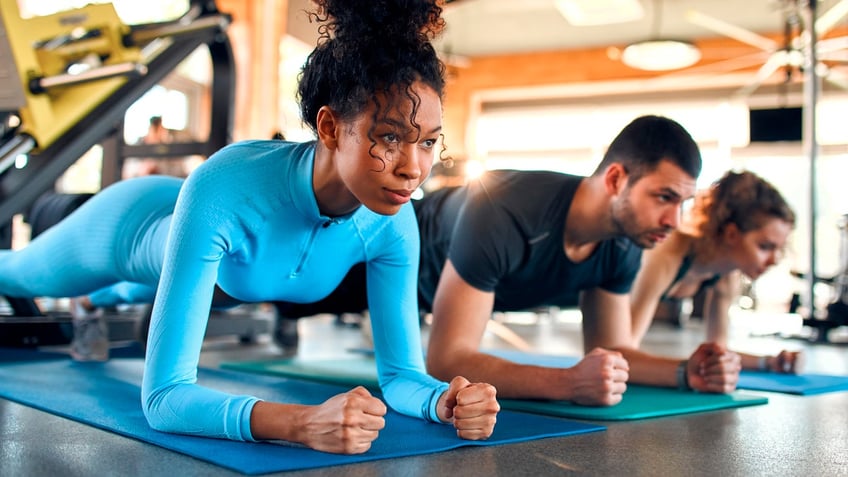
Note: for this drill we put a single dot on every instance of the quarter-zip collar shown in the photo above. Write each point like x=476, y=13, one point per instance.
x=303, y=194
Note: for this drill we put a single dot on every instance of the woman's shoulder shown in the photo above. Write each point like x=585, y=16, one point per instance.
x=245, y=161
x=258, y=149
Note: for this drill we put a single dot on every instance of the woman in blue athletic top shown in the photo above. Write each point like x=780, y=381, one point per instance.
x=739, y=226
x=273, y=220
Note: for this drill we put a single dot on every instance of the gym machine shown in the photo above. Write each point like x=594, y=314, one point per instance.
x=67, y=81
x=836, y=314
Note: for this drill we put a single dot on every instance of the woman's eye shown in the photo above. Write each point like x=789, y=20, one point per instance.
x=766, y=247
x=429, y=143
x=391, y=138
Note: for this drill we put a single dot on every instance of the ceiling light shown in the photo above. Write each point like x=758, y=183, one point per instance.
x=599, y=12
x=660, y=55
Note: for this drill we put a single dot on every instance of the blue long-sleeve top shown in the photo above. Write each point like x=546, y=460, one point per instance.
x=248, y=221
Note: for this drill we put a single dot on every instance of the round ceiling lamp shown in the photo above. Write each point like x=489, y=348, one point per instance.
x=660, y=55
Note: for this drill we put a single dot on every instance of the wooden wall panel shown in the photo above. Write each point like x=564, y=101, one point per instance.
x=258, y=26
x=545, y=69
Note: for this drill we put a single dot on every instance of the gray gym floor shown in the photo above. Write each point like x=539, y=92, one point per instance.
x=791, y=435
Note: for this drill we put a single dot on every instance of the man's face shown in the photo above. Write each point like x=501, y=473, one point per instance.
x=648, y=210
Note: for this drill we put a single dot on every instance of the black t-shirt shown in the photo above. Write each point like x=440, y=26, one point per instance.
x=504, y=233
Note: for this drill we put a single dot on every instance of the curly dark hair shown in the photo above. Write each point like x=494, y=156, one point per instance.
x=648, y=140
x=366, y=48
x=744, y=199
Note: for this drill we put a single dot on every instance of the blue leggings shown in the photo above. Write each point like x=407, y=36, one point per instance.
x=111, y=247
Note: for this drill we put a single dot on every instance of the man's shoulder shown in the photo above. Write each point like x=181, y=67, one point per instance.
x=533, y=188
x=512, y=178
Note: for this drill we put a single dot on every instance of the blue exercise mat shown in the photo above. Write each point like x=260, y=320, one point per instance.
x=800, y=384
x=107, y=396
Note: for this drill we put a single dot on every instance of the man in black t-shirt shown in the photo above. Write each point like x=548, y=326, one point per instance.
x=504, y=233
x=517, y=240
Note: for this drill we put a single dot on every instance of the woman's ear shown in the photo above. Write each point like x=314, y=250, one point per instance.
x=327, y=128
x=615, y=178
x=731, y=233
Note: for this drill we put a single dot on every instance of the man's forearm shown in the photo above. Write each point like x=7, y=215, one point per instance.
x=512, y=380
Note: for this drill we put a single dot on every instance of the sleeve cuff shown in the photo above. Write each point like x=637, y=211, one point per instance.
x=431, y=412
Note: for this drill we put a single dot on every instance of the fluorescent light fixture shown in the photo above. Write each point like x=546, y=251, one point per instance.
x=660, y=55
x=600, y=12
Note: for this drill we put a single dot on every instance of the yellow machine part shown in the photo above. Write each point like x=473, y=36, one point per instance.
x=48, y=115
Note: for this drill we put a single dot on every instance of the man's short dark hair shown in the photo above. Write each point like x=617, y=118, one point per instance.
x=649, y=140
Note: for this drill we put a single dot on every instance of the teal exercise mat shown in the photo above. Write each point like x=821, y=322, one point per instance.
x=351, y=371
x=107, y=396
x=639, y=402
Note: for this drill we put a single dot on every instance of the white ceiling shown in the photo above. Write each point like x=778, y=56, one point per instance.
x=493, y=27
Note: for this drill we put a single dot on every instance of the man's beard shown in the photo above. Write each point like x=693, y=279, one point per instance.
x=625, y=223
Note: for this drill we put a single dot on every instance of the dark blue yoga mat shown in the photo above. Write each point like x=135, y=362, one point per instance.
x=107, y=396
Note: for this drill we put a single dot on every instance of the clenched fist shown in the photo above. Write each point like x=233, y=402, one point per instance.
x=471, y=407
x=599, y=379
x=345, y=424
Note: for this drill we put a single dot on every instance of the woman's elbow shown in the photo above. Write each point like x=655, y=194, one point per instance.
x=152, y=415
x=152, y=405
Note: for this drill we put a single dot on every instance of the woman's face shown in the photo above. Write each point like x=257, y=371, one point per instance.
x=755, y=251
x=384, y=175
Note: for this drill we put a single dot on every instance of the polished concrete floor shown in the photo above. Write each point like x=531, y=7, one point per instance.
x=790, y=436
